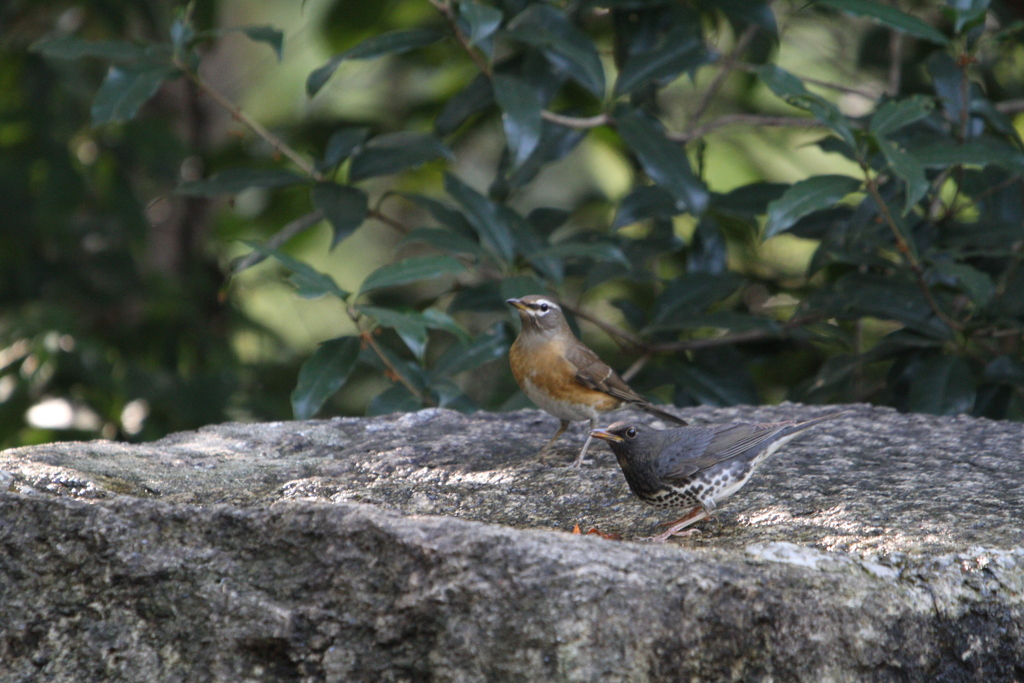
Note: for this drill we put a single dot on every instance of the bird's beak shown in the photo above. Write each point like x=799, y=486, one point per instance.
x=518, y=303
x=607, y=436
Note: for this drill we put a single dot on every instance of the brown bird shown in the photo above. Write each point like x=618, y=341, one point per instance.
x=562, y=376
x=694, y=467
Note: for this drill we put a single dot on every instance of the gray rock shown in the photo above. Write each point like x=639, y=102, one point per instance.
x=878, y=546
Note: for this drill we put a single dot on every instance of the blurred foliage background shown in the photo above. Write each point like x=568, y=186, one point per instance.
x=256, y=210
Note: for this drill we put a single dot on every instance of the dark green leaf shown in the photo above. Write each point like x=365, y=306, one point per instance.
x=890, y=298
x=451, y=397
x=805, y=197
x=323, y=374
x=721, y=320
x=974, y=152
x=555, y=142
x=978, y=285
x=70, y=47
x=547, y=219
x=445, y=240
x=890, y=16
x=663, y=160
x=411, y=270
x=521, y=116
x=681, y=49
x=394, y=152
x=717, y=383
x=395, y=42
x=567, y=48
x=692, y=293
x=344, y=207
x=485, y=216
x=792, y=90
x=266, y=34
x=749, y=200
x=483, y=20
x=235, y=180
x=532, y=245
x=396, y=399
x=942, y=385
x=519, y=286
x=485, y=296
x=410, y=326
x=488, y=346
x=444, y=214
x=645, y=201
x=895, y=114
x=597, y=251
x=125, y=89
x=908, y=169
x=309, y=282
x=472, y=99
x=341, y=144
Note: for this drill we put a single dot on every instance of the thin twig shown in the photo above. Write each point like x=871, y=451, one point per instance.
x=727, y=66
x=387, y=220
x=367, y=337
x=618, y=335
x=446, y=10
x=637, y=366
x=277, y=143
x=576, y=121
x=748, y=119
x=905, y=250
x=290, y=230
x=1010, y=106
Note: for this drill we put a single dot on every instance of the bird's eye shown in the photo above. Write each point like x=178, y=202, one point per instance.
x=630, y=433
x=544, y=308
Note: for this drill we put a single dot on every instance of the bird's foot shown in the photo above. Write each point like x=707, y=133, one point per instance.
x=664, y=536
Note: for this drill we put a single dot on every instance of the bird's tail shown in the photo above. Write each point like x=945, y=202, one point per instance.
x=653, y=410
x=807, y=424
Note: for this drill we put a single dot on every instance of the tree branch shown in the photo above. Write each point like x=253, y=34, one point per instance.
x=290, y=230
x=748, y=119
x=728, y=65
x=575, y=121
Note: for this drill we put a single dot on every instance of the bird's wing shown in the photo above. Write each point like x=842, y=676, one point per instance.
x=594, y=374
x=697, y=449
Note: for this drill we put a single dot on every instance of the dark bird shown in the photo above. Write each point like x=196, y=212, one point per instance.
x=694, y=467
x=564, y=377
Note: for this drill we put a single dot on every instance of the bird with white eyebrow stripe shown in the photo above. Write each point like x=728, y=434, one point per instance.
x=564, y=377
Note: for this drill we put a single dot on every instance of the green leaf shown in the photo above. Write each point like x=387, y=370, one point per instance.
x=125, y=89
x=974, y=152
x=663, y=160
x=890, y=298
x=323, y=374
x=473, y=99
x=645, y=201
x=485, y=217
x=445, y=240
x=521, y=109
x=394, y=152
x=978, y=285
x=450, y=396
x=681, y=49
x=411, y=270
x=567, y=48
x=410, y=326
x=597, y=251
x=266, y=34
x=890, y=16
x=395, y=42
x=908, y=169
x=235, y=180
x=69, y=47
x=443, y=214
x=487, y=347
x=341, y=144
x=895, y=114
x=942, y=385
x=792, y=90
x=692, y=293
x=483, y=20
x=344, y=207
x=309, y=282
x=396, y=399
x=805, y=197
x=518, y=286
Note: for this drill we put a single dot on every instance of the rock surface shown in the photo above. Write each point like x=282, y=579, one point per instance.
x=878, y=546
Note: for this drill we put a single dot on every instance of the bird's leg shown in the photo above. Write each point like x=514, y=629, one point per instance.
x=674, y=528
x=579, y=458
x=561, y=430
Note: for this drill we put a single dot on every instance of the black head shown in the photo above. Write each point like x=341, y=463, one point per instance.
x=539, y=314
x=630, y=441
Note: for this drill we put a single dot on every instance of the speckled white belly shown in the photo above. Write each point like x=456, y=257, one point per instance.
x=563, y=410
